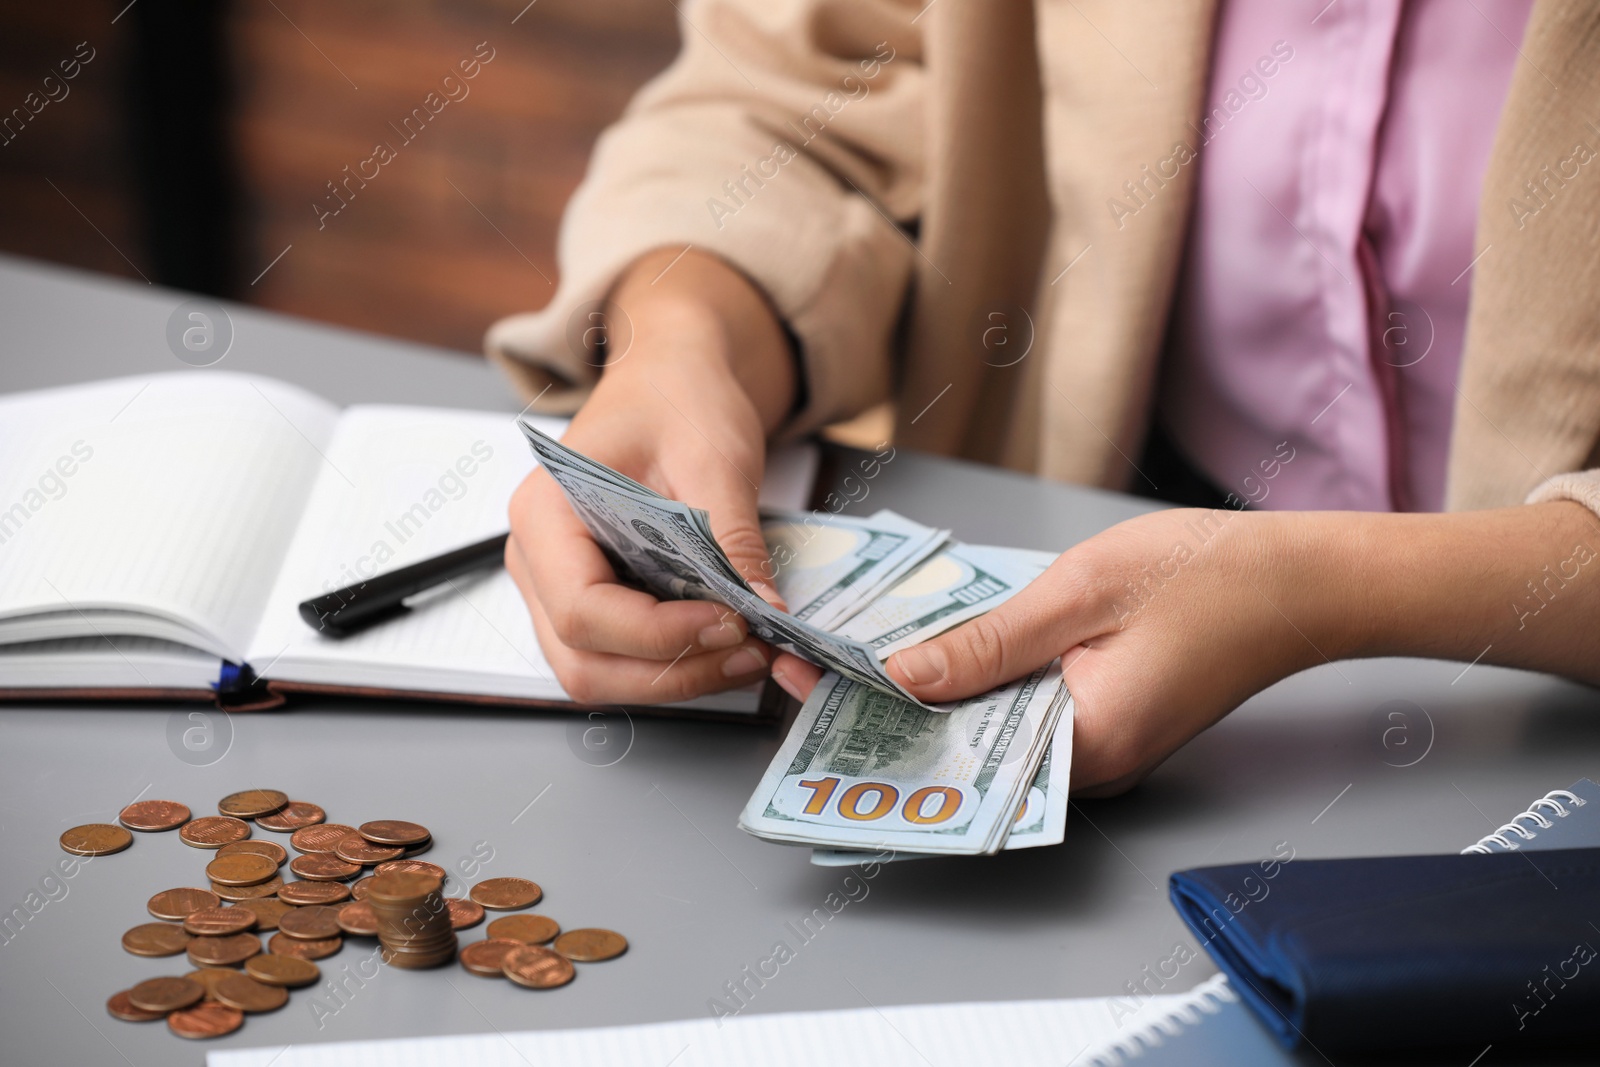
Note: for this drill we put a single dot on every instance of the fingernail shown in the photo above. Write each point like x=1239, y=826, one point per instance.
x=747, y=660
x=923, y=664
x=723, y=634
x=786, y=683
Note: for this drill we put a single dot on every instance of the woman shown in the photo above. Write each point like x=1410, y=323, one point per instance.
x=1225, y=256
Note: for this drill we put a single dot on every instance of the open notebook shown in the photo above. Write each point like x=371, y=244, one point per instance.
x=158, y=532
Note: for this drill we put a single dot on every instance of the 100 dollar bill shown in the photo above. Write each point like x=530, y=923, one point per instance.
x=1042, y=819
x=864, y=769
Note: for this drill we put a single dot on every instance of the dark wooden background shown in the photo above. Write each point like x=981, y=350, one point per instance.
x=189, y=151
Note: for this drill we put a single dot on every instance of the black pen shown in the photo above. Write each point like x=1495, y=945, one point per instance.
x=383, y=596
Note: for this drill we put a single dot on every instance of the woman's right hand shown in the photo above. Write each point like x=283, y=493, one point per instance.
x=685, y=410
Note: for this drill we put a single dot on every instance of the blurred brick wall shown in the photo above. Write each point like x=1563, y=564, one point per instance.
x=457, y=227
x=451, y=234
x=65, y=171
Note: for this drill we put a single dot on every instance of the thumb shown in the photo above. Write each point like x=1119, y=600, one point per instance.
x=1012, y=640
x=736, y=524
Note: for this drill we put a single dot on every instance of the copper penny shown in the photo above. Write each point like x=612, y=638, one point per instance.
x=403, y=886
x=395, y=832
x=245, y=993
x=357, y=849
x=213, y=831
x=206, y=1019
x=305, y=950
x=411, y=867
x=486, y=959
x=591, y=945
x=528, y=929
x=252, y=803
x=209, y=977
x=270, y=849
x=95, y=839
x=536, y=968
x=506, y=894
x=288, y=971
x=267, y=910
x=165, y=994
x=312, y=923
x=227, y=951
x=321, y=837
x=219, y=922
x=302, y=893
x=122, y=1008
x=241, y=868
x=176, y=905
x=292, y=816
x=358, y=888
x=154, y=815
x=464, y=913
x=358, y=918
x=259, y=891
x=323, y=867
x=156, y=939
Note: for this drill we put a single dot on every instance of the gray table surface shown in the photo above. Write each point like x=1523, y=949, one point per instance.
x=647, y=844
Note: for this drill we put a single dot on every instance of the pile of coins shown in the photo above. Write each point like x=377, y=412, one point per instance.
x=400, y=902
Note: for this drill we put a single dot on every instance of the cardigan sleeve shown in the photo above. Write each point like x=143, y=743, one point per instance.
x=785, y=138
x=1582, y=487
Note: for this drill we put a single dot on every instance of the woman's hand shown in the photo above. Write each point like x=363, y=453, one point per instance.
x=1163, y=624
x=686, y=411
x=1167, y=622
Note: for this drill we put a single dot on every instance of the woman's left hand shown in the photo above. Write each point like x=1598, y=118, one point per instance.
x=1164, y=624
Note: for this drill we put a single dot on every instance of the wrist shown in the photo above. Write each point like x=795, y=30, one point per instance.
x=1299, y=566
x=692, y=308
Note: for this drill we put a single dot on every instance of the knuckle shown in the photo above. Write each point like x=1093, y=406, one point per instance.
x=570, y=625
x=746, y=547
x=988, y=642
x=523, y=505
x=579, y=685
x=677, y=684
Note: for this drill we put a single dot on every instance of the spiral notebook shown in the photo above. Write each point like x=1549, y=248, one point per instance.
x=1205, y=1027
x=1212, y=1028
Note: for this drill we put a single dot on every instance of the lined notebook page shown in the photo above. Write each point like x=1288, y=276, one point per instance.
x=417, y=482
x=1042, y=1033
x=174, y=494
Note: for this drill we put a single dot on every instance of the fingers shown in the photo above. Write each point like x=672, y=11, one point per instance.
x=797, y=676
x=602, y=678
x=586, y=608
x=1030, y=629
x=736, y=523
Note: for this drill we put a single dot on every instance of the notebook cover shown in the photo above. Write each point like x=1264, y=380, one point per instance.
x=1231, y=1037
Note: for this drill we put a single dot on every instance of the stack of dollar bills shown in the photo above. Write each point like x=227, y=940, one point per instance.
x=867, y=770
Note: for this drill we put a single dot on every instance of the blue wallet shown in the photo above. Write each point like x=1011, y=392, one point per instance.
x=1401, y=952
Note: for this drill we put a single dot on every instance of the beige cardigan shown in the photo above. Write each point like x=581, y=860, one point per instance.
x=895, y=176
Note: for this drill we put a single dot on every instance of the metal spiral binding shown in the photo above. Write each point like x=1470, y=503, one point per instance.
x=1508, y=835
x=1207, y=998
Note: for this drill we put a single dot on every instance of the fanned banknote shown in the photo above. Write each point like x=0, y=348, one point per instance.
x=863, y=769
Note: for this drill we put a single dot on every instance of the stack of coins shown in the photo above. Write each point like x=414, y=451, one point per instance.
x=412, y=919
